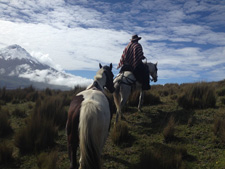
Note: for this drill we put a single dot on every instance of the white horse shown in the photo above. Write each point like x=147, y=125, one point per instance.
x=124, y=84
x=89, y=120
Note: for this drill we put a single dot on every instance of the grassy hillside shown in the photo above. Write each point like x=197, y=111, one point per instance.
x=181, y=126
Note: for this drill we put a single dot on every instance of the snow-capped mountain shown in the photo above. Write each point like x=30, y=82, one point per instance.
x=16, y=62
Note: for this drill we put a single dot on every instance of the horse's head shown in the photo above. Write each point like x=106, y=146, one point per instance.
x=109, y=77
x=153, y=71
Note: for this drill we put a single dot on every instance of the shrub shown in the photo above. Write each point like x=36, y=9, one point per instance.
x=47, y=160
x=120, y=133
x=5, y=153
x=39, y=134
x=168, y=132
x=5, y=127
x=162, y=157
x=199, y=95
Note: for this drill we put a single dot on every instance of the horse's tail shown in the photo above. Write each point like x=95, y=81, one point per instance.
x=89, y=141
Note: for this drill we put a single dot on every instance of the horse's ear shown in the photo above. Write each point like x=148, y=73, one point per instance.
x=111, y=66
x=100, y=66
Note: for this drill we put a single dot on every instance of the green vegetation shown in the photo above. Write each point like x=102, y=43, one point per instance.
x=199, y=95
x=5, y=153
x=120, y=133
x=5, y=127
x=181, y=127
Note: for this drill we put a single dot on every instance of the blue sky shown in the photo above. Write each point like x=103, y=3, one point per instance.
x=185, y=37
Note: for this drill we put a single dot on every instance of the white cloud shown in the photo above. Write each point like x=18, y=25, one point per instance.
x=55, y=78
x=2, y=71
x=76, y=35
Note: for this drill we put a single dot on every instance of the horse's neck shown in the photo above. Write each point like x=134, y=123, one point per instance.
x=150, y=67
x=94, y=85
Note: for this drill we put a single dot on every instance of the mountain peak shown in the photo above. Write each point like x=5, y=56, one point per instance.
x=15, y=52
x=15, y=46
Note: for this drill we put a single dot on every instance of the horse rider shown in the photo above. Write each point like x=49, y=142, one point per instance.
x=131, y=60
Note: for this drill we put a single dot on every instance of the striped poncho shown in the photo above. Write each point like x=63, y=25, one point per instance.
x=132, y=55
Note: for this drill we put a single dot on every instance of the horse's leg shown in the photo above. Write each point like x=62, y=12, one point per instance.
x=125, y=93
x=72, y=150
x=117, y=98
x=73, y=142
x=141, y=98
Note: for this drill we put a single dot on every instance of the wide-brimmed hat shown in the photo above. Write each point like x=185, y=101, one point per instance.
x=135, y=37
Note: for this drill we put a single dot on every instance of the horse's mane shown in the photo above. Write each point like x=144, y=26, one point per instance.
x=99, y=74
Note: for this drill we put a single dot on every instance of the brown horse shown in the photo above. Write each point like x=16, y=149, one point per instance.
x=89, y=120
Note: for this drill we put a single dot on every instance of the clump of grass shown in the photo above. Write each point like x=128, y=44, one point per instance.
x=120, y=133
x=38, y=134
x=33, y=96
x=222, y=99
x=19, y=113
x=221, y=92
x=133, y=99
x=162, y=157
x=5, y=153
x=198, y=95
x=219, y=128
x=47, y=160
x=149, y=99
x=191, y=121
x=52, y=108
x=168, y=132
x=41, y=129
x=5, y=126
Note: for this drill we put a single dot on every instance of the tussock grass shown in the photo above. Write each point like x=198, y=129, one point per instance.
x=47, y=160
x=168, y=132
x=5, y=126
x=222, y=99
x=162, y=157
x=19, y=95
x=19, y=113
x=5, y=153
x=52, y=108
x=41, y=129
x=37, y=135
x=149, y=99
x=120, y=133
x=221, y=92
x=219, y=127
x=198, y=95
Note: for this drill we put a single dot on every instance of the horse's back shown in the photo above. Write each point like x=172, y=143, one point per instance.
x=125, y=77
